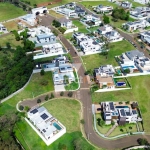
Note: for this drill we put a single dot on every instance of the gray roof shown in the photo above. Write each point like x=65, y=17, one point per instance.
x=134, y=53
x=62, y=20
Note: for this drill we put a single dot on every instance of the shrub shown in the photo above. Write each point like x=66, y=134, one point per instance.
x=70, y=94
x=130, y=128
x=38, y=100
x=21, y=107
x=46, y=97
x=121, y=130
x=82, y=121
x=26, y=108
x=120, y=102
x=62, y=30
x=61, y=93
x=42, y=72
x=52, y=95
x=142, y=141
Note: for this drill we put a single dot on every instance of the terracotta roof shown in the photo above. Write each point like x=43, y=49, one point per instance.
x=104, y=79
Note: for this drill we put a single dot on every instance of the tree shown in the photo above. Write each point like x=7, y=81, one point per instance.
x=127, y=70
x=8, y=45
x=121, y=130
x=52, y=95
x=56, y=23
x=142, y=141
x=21, y=107
x=102, y=122
x=82, y=121
x=35, y=5
x=26, y=108
x=66, y=79
x=39, y=100
x=70, y=94
x=46, y=97
x=61, y=93
x=106, y=19
x=42, y=72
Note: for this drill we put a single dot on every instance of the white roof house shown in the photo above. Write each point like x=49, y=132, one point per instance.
x=95, y=20
x=67, y=12
x=65, y=23
x=29, y=19
x=3, y=29
x=126, y=4
x=103, y=9
x=50, y=50
x=113, y=36
x=122, y=114
x=87, y=44
x=132, y=26
x=105, y=70
x=145, y=36
x=140, y=13
x=48, y=127
x=104, y=29
x=39, y=10
x=142, y=1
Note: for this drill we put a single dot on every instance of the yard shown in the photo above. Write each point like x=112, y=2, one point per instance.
x=81, y=27
x=70, y=119
x=9, y=39
x=11, y=25
x=117, y=48
x=9, y=11
x=87, y=4
x=56, y=15
x=118, y=130
x=34, y=88
x=139, y=92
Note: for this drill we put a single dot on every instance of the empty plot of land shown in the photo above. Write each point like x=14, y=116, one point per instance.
x=9, y=11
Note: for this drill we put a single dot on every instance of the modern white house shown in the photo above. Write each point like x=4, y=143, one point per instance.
x=39, y=10
x=113, y=36
x=122, y=114
x=126, y=4
x=104, y=29
x=45, y=125
x=142, y=1
x=3, y=29
x=68, y=25
x=50, y=50
x=40, y=35
x=140, y=13
x=29, y=19
x=145, y=37
x=91, y=20
x=87, y=44
x=132, y=26
x=103, y=9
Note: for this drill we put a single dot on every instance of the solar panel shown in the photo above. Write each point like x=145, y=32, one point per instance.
x=111, y=105
x=122, y=112
x=44, y=116
x=34, y=111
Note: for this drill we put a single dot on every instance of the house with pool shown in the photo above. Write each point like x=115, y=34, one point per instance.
x=120, y=112
x=45, y=125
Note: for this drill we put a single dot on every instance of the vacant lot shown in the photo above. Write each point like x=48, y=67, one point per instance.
x=70, y=119
x=11, y=25
x=94, y=61
x=10, y=39
x=9, y=11
x=139, y=92
x=56, y=15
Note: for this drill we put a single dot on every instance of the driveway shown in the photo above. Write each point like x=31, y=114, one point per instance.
x=59, y=88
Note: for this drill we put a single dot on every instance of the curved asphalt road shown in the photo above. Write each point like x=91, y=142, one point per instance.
x=86, y=100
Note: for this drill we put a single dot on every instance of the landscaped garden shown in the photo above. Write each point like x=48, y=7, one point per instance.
x=139, y=92
x=117, y=48
x=70, y=119
x=9, y=11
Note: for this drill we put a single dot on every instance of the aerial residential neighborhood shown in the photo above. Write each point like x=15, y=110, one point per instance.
x=74, y=75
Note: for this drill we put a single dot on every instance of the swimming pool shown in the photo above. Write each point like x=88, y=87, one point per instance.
x=56, y=126
x=122, y=107
x=126, y=67
x=121, y=84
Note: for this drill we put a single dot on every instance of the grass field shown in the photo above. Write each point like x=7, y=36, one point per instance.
x=81, y=27
x=117, y=48
x=139, y=92
x=9, y=11
x=11, y=39
x=95, y=3
x=34, y=88
x=56, y=15
x=11, y=25
x=70, y=119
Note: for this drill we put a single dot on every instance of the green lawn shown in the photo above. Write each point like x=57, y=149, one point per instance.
x=81, y=27
x=32, y=2
x=70, y=119
x=9, y=11
x=95, y=3
x=135, y=4
x=139, y=92
x=117, y=48
x=11, y=39
x=73, y=85
x=34, y=88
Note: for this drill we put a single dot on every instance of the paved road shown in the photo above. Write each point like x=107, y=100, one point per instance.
x=85, y=97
